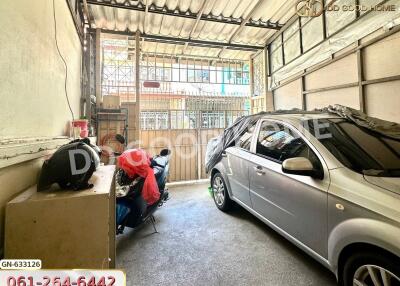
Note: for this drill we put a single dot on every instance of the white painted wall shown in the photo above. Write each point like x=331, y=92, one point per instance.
x=380, y=60
x=288, y=96
x=32, y=97
x=343, y=96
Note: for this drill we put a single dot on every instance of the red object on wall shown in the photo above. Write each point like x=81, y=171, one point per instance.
x=83, y=124
x=151, y=84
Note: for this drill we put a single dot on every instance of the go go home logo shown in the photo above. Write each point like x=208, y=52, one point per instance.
x=309, y=8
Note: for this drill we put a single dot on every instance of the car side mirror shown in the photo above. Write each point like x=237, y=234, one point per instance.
x=300, y=166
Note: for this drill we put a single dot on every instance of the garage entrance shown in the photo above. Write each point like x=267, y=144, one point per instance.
x=183, y=100
x=299, y=197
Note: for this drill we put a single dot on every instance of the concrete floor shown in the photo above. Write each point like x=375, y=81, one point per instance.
x=199, y=245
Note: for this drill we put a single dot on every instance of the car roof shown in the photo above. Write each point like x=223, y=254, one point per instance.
x=301, y=116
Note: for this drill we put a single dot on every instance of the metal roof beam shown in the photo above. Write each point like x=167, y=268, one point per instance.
x=237, y=31
x=146, y=13
x=182, y=41
x=195, y=23
x=189, y=15
x=86, y=13
x=246, y=20
x=202, y=43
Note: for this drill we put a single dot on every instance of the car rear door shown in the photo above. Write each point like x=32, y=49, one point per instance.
x=236, y=164
x=296, y=204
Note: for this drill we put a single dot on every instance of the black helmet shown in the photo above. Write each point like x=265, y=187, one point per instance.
x=87, y=141
x=71, y=167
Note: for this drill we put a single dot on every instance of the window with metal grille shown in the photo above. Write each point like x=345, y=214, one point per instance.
x=118, y=69
x=154, y=120
x=259, y=75
x=170, y=68
x=212, y=119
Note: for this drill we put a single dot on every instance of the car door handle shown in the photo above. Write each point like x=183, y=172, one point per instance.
x=259, y=170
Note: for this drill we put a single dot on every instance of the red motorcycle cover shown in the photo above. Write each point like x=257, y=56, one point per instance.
x=136, y=162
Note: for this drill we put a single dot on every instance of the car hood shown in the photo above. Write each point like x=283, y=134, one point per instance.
x=388, y=183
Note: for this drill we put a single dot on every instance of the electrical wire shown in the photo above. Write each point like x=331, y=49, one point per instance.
x=65, y=63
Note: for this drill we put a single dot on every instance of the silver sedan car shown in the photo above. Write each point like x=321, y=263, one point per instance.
x=326, y=184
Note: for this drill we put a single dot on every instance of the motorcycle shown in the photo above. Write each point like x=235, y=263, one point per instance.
x=132, y=209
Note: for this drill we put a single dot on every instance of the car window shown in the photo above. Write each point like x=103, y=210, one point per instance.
x=245, y=140
x=358, y=148
x=279, y=143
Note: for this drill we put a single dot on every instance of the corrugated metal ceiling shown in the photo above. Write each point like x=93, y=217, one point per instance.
x=117, y=19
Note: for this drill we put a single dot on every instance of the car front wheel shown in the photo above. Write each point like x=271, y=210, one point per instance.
x=371, y=269
x=220, y=193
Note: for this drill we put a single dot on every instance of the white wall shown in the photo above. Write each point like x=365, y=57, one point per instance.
x=383, y=60
x=380, y=60
x=32, y=97
x=288, y=96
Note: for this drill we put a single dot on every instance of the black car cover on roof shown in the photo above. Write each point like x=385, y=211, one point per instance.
x=386, y=128
x=217, y=145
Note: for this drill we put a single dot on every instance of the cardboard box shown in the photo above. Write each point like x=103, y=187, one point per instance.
x=65, y=229
x=111, y=102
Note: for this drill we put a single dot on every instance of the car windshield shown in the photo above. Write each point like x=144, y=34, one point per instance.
x=358, y=148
